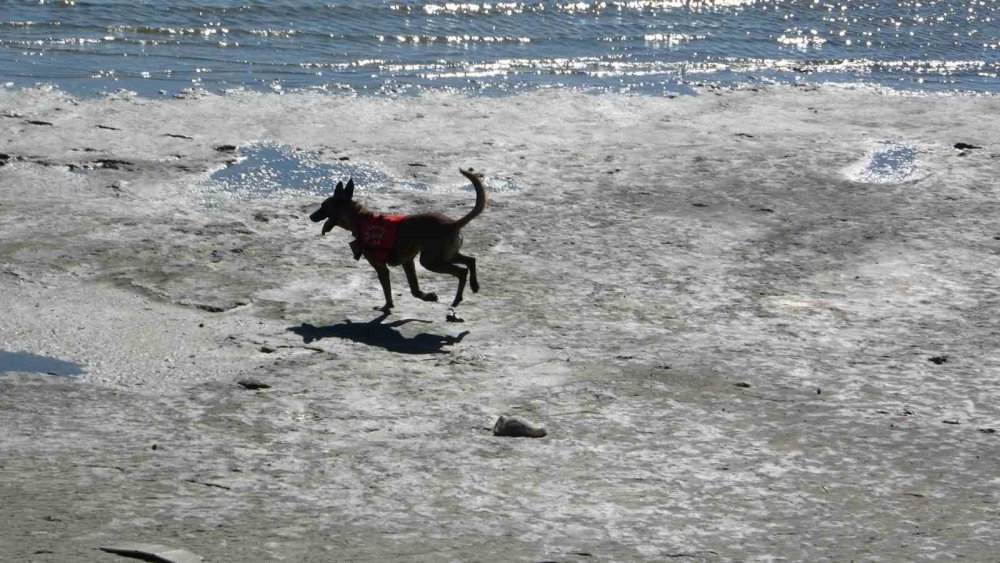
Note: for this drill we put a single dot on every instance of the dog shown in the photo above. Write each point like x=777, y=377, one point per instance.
x=394, y=240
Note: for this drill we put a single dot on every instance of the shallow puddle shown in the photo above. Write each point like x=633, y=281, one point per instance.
x=273, y=171
x=888, y=163
x=33, y=363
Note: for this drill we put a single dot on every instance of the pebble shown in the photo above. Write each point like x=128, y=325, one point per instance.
x=516, y=428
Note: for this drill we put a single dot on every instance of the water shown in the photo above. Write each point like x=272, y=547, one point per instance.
x=33, y=363
x=407, y=46
x=266, y=170
x=888, y=163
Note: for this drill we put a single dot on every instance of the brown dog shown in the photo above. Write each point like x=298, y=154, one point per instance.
x=393, y=240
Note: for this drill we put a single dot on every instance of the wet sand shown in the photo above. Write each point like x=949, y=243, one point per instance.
x=744, y=340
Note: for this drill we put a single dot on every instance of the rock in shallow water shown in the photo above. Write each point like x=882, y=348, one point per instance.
x=516, y=428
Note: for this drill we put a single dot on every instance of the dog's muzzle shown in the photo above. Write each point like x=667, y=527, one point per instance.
x=317, y=216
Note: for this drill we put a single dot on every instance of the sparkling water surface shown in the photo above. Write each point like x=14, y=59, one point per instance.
x=395, y=46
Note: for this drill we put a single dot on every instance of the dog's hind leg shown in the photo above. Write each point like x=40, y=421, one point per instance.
x=443, y=267
x=411, y=278
x=469, y=263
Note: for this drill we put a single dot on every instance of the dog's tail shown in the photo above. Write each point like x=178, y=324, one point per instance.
x=477, y=181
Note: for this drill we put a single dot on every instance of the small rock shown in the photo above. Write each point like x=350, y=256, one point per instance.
x=155, y=447
x=950, y=422
x=516, y=428
x=268, y=349
x=253, y=384
x=988, y=430
x=742, y=384
x=938, y=359
x=226, y=148
x=152, y=552
x=965, y=146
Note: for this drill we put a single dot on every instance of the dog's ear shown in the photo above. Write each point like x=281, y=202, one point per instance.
x=339, y=190
x=349, y=192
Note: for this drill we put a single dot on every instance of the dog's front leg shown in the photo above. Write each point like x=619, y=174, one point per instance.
x=411, y=278
x=383, y=278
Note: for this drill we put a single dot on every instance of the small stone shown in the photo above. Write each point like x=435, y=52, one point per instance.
x=516, y=428
x=226, y=148
x=253, y=384
x=268, y=349
x=938, y=359
x=155, y=447
x=965, y=146
x=988, y=430
x=742, y=384
x=152, y=552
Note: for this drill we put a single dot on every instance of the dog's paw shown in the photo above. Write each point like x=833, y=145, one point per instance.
x=387, y=308
x=474, y=286
x=453, y=317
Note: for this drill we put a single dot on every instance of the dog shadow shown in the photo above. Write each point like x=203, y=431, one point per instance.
x=375, y=333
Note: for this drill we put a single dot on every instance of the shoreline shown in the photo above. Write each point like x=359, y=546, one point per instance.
x=738, y=351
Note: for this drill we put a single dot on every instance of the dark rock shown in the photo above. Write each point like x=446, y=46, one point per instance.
x=226, y=148
x=252, y=384
x=988, y=430
x=951, y=422
x=152, y=552
x=965, y=146
x=742, y=384
x=108, y=127
x=38, y=122
x=938, y=359
x=515, y=428
x=268, y=349
x=113, y=164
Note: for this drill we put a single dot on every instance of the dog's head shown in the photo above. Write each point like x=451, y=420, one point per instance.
x=335, y=208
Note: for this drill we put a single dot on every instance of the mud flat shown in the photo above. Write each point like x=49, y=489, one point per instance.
x=754, y=325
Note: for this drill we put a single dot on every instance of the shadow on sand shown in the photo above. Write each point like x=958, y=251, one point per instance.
x=375, y=333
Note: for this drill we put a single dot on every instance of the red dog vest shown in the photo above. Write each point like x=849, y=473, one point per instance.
x=376, y=234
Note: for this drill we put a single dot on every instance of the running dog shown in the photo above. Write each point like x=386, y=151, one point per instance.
x=394, y=240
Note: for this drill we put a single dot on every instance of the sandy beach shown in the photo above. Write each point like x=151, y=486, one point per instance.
x=757, y=324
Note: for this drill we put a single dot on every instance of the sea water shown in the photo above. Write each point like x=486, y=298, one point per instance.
x=155, y=48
